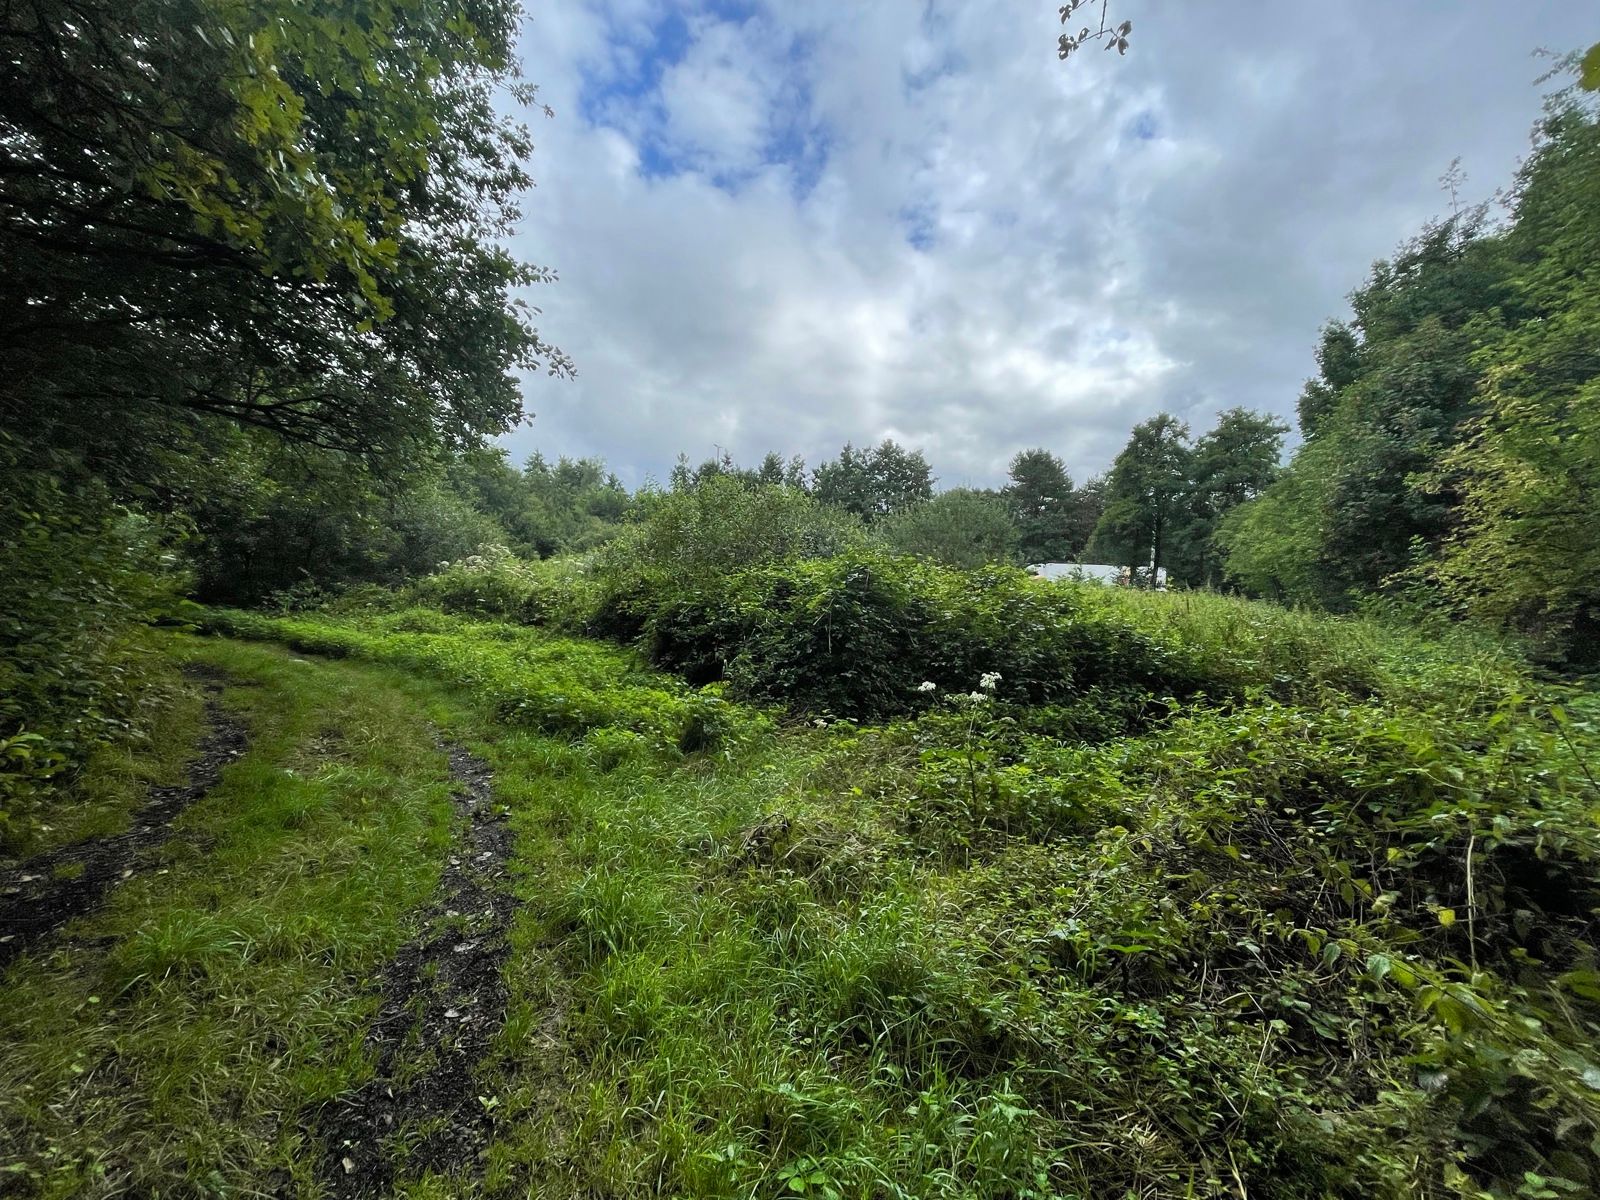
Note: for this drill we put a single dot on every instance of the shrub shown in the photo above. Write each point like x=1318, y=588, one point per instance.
x=78, y=578
x=960, y=528
x=855, y=635
x=494, y=582
x=723, y=525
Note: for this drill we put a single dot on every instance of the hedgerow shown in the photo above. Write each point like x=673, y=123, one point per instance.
x=858, y=633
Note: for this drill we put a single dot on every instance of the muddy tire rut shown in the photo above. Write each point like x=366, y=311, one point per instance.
x=41, y=894
x=443, y=1002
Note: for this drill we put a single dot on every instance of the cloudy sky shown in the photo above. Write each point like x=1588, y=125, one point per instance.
x=791, y=225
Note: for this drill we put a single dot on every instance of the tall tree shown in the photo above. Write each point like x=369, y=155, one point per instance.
x=874, y=483
x=1229, y=466
x=288, y=215
x=1040, y=498
x=1083, y=514
x=1146, y=494
x=1397, y=386
x=1526, y=474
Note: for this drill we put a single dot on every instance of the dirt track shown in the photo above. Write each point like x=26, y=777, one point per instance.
x=43, y=893
x=443, y=1002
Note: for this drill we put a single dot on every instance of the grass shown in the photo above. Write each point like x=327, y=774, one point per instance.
x=1334, y=943
x=100, y=799
x=171, y=1045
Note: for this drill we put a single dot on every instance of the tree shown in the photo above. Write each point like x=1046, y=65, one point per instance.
x=722, y=526
x=1088, y=501
x=1229, y=466
x=1397, y=385
x=1113, y=36
x=572, y=504
x=960, y=528
x=282, y=214
x=1339, y=363
x=1525, y=477
x=1040, y=499
x=1145, y=495
x=872, y=484
x=770, y=471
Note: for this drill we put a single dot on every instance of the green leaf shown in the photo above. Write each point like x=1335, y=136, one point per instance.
x=1589, y=70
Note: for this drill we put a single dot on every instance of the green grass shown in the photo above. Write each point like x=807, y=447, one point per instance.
x=564, y=686
x=170, y=1047
x=1239, y=643
x=1334, y=944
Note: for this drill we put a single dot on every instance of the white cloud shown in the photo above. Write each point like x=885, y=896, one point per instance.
x=823, y=222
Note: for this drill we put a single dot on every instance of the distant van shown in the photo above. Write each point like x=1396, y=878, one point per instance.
x=1097, y=573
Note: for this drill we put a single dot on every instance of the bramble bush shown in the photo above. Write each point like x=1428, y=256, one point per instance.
x=856, y=633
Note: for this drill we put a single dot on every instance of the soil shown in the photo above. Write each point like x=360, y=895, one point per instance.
x=41, y=894
x=443, y=1002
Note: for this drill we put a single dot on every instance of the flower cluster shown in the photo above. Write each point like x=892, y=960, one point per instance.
x=987, y=682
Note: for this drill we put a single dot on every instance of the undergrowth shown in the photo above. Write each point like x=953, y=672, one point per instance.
x=1287, y=940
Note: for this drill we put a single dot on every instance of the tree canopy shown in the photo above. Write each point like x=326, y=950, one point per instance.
x=874, y=483
x=284, y=214
x=1447, y=438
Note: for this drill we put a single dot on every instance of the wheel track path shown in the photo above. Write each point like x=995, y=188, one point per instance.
x=35, y=901
x=443, y=1003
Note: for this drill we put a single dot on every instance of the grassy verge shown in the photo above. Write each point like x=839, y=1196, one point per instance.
x=117, y=775
x=170, y=1046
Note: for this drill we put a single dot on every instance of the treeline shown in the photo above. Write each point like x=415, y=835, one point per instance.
x=1451, y=450
x=1164, y=496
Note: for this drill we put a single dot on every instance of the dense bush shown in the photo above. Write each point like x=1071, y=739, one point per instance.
x=494, y=582
x=960, y=528
x=858, y=634
x=270, y=520
x=78, y=576
x=1357, y=938
x=723, y=524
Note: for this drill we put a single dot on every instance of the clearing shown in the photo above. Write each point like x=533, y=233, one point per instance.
x=441, y=907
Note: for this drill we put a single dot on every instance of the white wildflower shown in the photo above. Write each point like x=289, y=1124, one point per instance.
x=927, y=685
x=988, y=680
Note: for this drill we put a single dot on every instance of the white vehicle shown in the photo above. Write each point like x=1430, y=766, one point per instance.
x=1096, y=573
x=1078, y=572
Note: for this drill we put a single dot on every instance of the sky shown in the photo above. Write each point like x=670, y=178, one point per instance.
x=785, y=226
